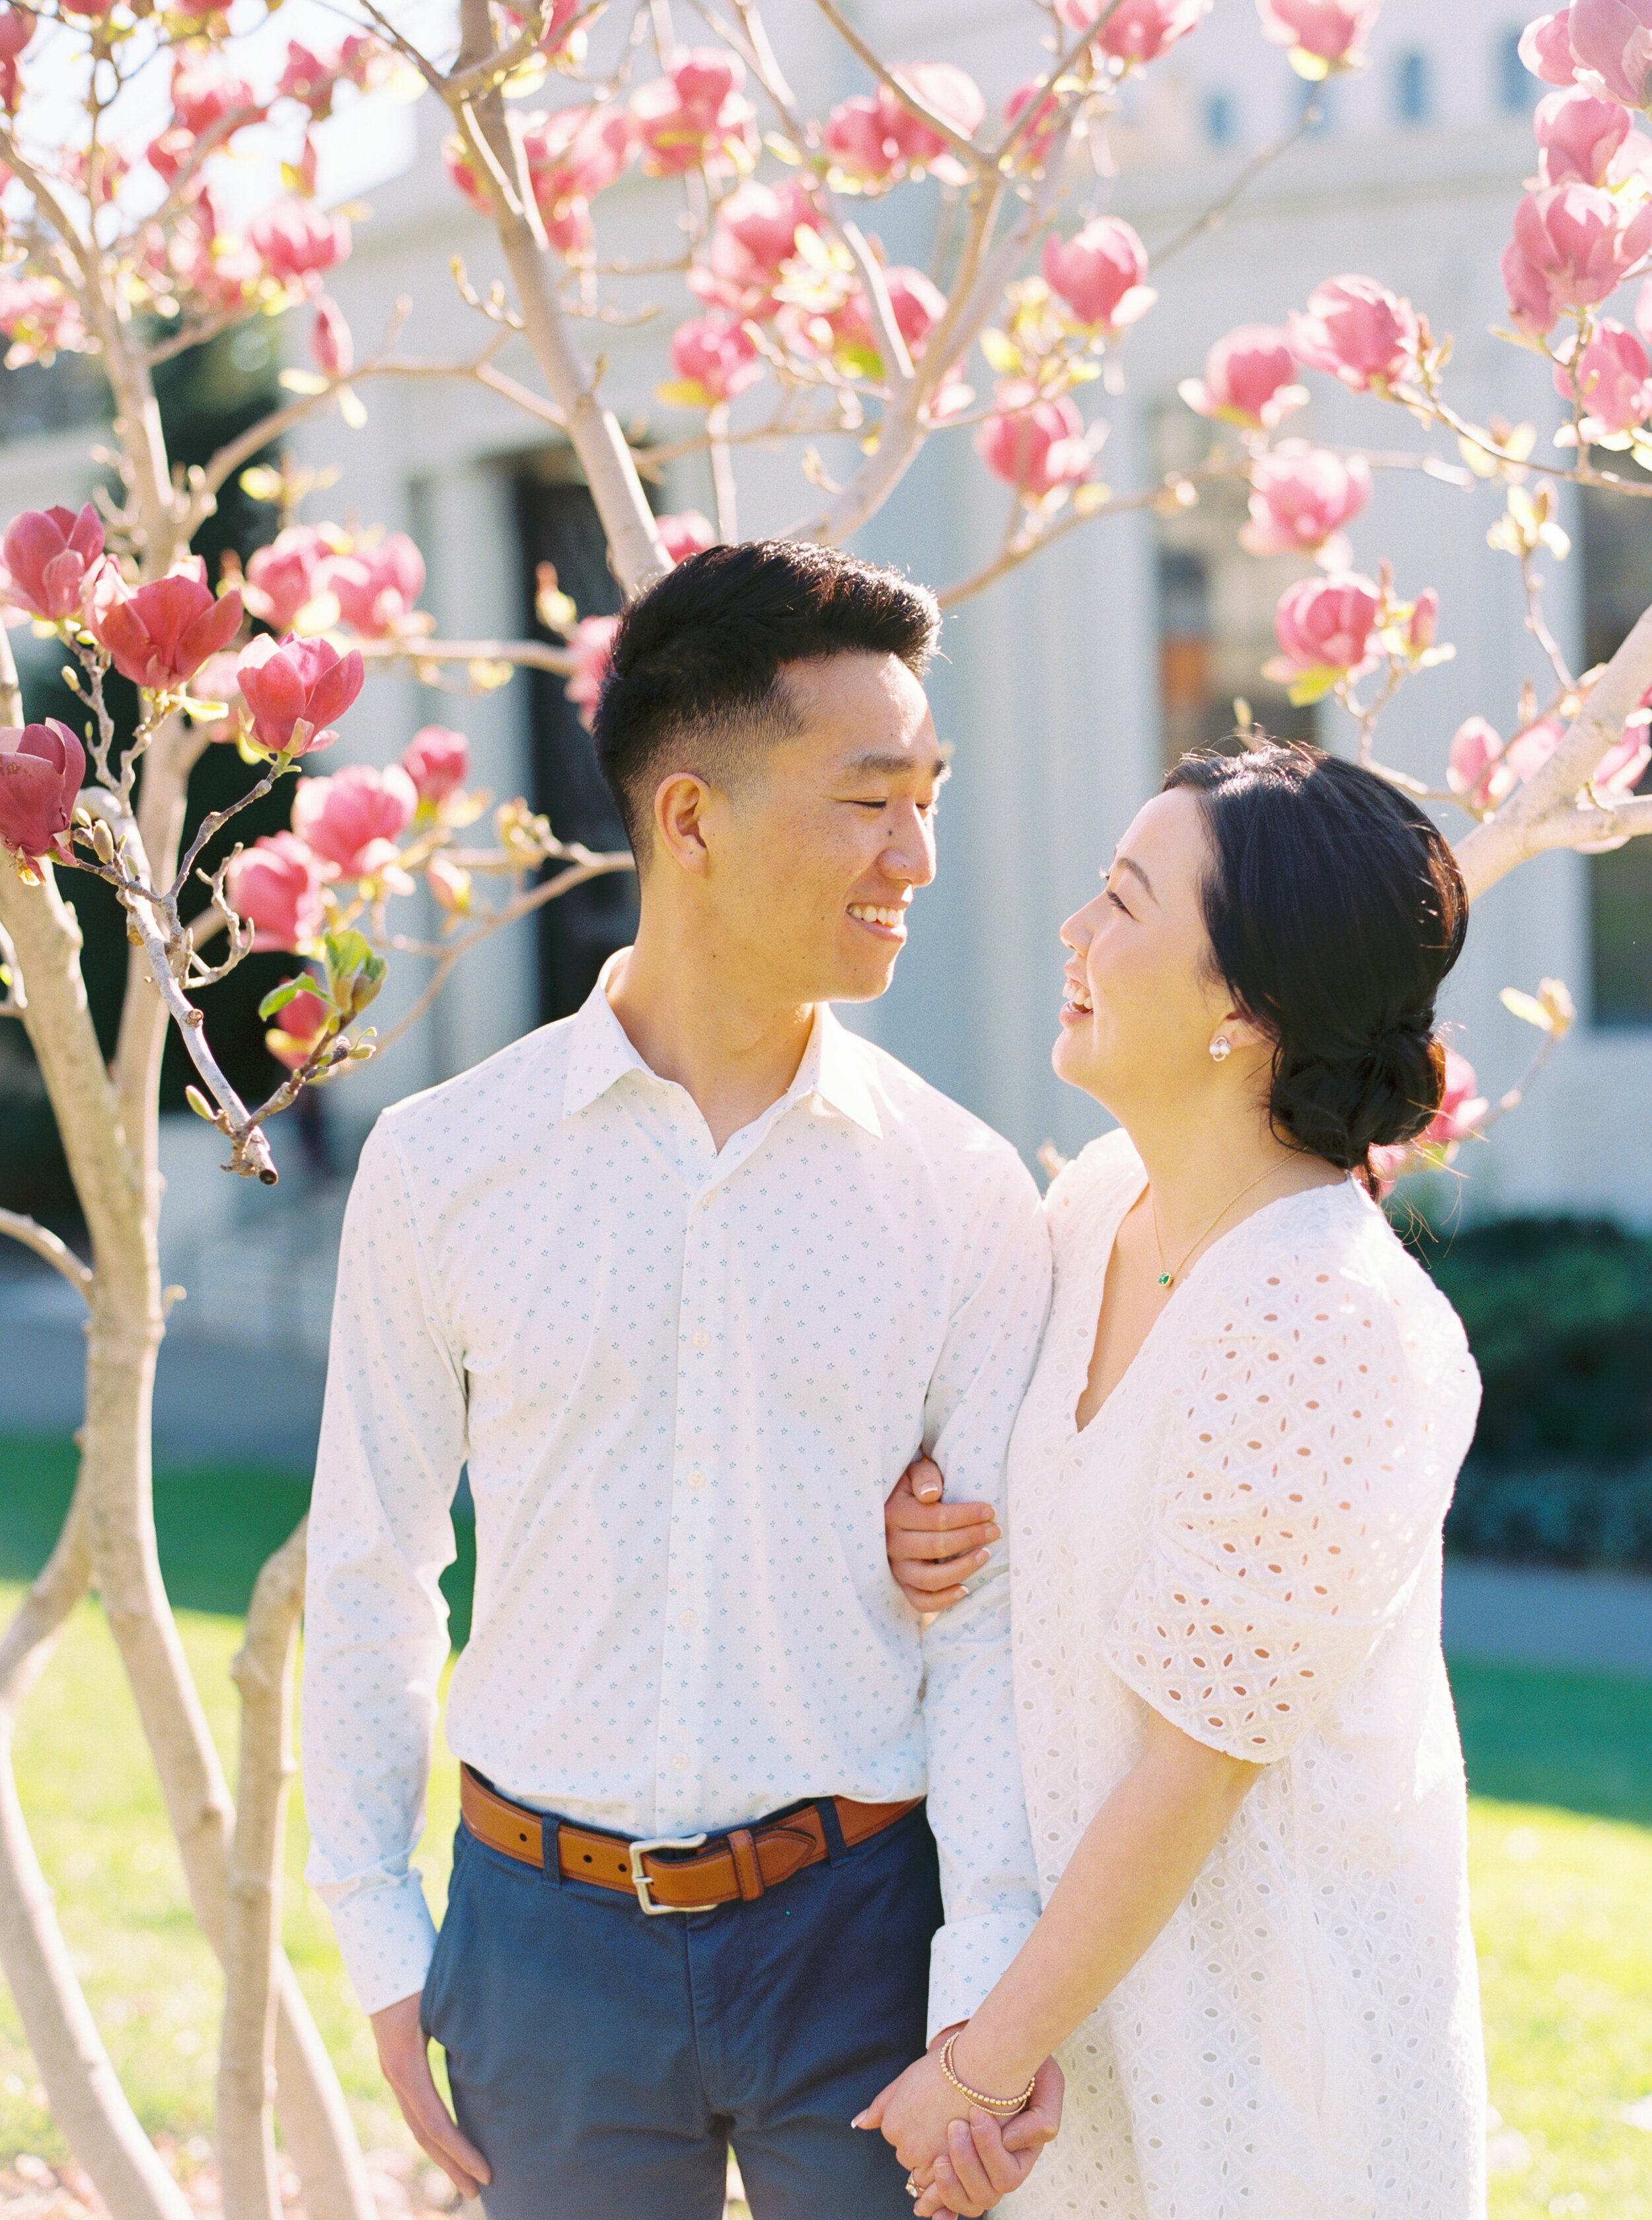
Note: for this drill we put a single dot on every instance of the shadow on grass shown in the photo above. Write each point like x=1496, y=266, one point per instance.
x=1578, y=1742
x=215, y=1526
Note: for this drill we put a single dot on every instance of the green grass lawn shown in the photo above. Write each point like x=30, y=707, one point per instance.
x=1561, y=1849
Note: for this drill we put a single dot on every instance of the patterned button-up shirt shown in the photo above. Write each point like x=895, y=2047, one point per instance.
x=683, y=1381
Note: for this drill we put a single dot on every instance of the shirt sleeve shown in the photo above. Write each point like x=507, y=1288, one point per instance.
x=977, y=1809
x=392, y=1446
x=1296, y=1501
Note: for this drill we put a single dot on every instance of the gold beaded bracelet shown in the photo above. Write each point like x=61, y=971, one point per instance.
x=1004, y=2107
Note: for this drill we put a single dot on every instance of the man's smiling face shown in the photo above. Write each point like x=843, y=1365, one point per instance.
x=816, y=855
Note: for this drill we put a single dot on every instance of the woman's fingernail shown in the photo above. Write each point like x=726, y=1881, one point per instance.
x=858, y=2117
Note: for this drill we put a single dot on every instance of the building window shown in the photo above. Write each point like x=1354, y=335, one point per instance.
x=1617, y=552
x=1414, y=88
x=1517, y=88
x=1221, y=126
x=1215, y=608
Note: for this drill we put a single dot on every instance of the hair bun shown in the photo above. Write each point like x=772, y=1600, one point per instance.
x=1375, y=1097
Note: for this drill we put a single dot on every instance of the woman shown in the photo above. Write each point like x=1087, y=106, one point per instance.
x=1227, y=1485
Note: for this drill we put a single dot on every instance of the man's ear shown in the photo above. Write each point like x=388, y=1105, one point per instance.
x=680, y=804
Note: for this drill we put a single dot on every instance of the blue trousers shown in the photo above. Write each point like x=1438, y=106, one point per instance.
x=603, y=2061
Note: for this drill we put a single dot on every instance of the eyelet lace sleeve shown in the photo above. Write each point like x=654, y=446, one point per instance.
x=1298, y=1488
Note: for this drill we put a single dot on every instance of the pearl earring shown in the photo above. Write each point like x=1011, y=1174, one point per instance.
x=1221, y=1048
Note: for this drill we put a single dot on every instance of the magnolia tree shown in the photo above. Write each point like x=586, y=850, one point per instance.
x=792, y=327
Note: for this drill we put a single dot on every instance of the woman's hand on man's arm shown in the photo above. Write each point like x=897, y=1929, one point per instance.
x=934, y=1546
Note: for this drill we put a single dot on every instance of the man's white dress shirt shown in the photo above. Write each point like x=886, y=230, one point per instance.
x=683, y=1381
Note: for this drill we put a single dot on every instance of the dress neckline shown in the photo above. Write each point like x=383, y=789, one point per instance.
x=1095, y=1283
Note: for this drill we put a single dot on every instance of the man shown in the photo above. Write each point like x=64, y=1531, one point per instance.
x=687, y=1280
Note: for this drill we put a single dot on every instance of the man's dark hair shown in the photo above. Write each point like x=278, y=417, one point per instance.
x=696, y=660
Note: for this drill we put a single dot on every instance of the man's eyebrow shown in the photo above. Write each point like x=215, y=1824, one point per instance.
x=876, y=765
x=1129, y=863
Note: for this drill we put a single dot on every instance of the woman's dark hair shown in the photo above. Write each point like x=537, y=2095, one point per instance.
x=696, y=660
x=1335, y=909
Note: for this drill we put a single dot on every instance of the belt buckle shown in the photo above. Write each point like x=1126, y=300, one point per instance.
x=642, y=1882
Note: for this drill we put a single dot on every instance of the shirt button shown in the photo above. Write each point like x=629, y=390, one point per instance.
x=701, y=1339
x=688, y=1619
x=680, y=1762
x=696, y=1480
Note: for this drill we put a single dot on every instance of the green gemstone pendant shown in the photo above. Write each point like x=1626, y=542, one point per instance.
x=1165, y=1279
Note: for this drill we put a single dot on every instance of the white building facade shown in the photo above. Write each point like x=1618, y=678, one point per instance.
x=1062, y=685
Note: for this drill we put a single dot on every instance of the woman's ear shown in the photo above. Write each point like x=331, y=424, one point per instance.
x=1240, y=1033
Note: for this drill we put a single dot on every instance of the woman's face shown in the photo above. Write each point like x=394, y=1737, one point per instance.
x=1142, y=1001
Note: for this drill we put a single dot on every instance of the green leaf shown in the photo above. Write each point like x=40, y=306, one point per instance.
x=278, y=997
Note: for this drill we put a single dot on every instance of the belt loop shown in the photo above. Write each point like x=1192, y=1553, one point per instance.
x=837, y=1849
x=550, y=1851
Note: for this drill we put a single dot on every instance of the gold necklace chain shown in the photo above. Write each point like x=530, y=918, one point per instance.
x=1169, y=1279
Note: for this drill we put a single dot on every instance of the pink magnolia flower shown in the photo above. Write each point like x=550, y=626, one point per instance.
x=695, y=118
x=312, y=78
x=686, y=533
x=1359, y=331
x=1546, y=48
x=16, y=29
x=1324, y=625
x=718, y=361
x=376, y=588
x=275, y=886
x=1035, y=446
x=874, y=137
x=203, y=94
x=573, y=154
x=281, y=577
x=1623, y=766
x=593, y=646
x=1579, y=137
x=1138, y=30
x=40, y=319
x=450, y=885
x=1099, y=273
x=1462, y=1105
x=159, y=635
x=291, y=683
x=46, y=553
x=438, y=761
x=1331, y=28
x=1042, y=130
x=918, y=305
x=42, y=770
x=354, y=820
x=1529, y=750
x=1422, y=623
x=330, y=342
x=1250, y=379
x=755, y=233
x=1300, y=496
x=1611, y=46
x=1612, y=377
x=1573, y=245
x=1477, y=770
x=300, y=1024
x=296, y=241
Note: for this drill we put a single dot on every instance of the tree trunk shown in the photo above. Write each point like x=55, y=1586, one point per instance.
x=263, y=1673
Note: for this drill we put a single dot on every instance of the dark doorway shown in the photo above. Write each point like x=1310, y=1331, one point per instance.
x=580, y=931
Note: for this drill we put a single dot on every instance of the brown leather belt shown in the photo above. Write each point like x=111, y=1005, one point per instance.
x=736, y=1867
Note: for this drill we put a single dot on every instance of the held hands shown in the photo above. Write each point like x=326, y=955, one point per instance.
x=962, y=2158
x=404, y=2059
x=934, y=1547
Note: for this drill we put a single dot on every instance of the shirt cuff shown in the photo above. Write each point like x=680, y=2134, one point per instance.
x=386, y=1938
x=966, y=1960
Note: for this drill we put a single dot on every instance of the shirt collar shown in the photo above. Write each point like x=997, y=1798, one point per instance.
x=835, y=1065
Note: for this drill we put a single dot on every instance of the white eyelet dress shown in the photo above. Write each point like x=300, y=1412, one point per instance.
x=1247, y=1537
